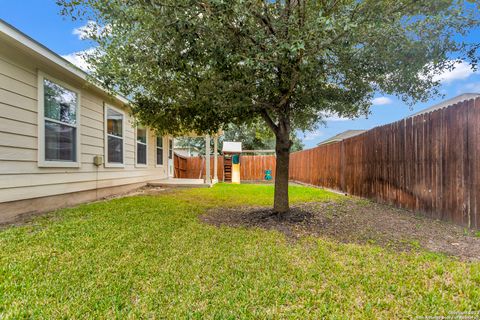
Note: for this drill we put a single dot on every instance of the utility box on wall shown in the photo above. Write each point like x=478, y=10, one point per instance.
x=98, y=160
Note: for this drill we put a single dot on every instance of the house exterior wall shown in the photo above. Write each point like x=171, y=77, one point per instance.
x=21, y=176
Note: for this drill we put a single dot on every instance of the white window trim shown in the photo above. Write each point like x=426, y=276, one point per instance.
x=163, y=152
x=141, y=165
x=41, y=125
x=105, y=130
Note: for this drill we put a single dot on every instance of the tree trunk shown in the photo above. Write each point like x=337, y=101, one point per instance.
x=282, y=149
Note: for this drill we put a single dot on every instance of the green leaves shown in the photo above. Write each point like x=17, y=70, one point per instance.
x=192, y=65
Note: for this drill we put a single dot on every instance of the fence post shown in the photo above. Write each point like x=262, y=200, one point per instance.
x=215, y=159
x=208, y=179
x=342, y=166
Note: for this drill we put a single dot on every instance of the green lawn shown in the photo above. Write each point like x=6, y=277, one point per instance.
x=150, y=257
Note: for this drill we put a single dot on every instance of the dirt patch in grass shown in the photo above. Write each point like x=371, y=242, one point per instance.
x=357, y=221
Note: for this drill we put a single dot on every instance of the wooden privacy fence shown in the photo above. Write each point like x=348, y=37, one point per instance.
x=180, y=165
x=252, y=168
x=429, y=163
x=195, y=167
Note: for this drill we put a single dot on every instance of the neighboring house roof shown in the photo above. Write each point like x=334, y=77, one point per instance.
x=12, y=34
x=185, y=153
x=342, y=136
x=187, y=149
x=193, y=148
x=446, y=103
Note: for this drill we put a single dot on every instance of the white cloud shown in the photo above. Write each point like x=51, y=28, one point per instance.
x=90, y=28
x=473, y=87
x=461, y=71
x=83, y=31
x=381, y=101
x=312, y=135
x=333, y=117
x=78, y=59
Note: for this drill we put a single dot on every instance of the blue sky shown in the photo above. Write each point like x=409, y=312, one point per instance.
x=40, y=20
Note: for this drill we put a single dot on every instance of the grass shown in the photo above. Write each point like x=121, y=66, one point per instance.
x=150, y=257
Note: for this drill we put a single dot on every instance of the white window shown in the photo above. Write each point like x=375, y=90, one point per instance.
x=159, y=151
x=58, y=123
x=142, y=141
x=114, y=137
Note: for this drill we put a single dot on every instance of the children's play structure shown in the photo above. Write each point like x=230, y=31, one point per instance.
x=231, y=161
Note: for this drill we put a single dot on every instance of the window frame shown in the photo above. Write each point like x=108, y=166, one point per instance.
x=42, y=162
x=141, y=165
x=106, y=135
x=163, y=152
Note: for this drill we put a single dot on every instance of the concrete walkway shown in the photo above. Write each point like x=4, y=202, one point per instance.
x=177, y=183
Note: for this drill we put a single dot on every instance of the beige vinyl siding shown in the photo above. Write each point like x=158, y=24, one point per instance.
x=17, y=140
x=20, y=176
x=18, y=127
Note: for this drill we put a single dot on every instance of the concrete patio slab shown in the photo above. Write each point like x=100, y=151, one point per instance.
x=179, y=183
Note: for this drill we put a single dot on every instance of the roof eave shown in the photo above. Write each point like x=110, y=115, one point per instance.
x=18, y=36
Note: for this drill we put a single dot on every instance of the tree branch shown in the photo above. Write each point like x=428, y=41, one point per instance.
x=269, y=121
x=265, y=20
x=293, y=82
x=240, y=33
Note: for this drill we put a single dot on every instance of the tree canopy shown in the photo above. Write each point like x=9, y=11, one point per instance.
x=198, y=65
